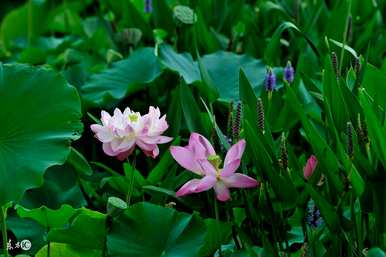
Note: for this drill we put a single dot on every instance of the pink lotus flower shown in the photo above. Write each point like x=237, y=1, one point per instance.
x=121, y=132
x=310, y=167
x=200, y=157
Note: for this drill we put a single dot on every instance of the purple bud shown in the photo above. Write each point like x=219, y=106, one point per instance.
x=270, y=80
x=148, y=6
x=289, y=73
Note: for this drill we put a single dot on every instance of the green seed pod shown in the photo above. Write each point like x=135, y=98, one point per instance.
x=335, y=64
x=283, y=161
x=230, y=120
x=357, y=67
x=237, y=122
x=362, y=131
x=260, y=115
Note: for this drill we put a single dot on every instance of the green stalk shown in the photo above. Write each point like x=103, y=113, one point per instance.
x=218, y=219
x=4, y=230
x=48, y=248
x=30, y=23
x=369, y=153
x=131, y=185
x=48, y=231
x=274, y=229
x=344, y=39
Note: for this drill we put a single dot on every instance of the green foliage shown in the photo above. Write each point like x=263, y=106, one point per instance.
x=169, y=234
x=197, y=61
x=38, y=129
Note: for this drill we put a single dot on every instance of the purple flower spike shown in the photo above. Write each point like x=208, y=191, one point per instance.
x=148, y=6
x=289, y=73
x=270, y=80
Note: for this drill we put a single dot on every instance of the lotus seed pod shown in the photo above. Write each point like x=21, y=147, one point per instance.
x=131, y=36
x=184, y=15
x=115, y=206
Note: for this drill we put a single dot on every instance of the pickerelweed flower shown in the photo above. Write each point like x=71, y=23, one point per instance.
x=199, y=157
x=310, y=167
x=148, y=6
x=289, y=73
x=270, y=80
x=314, y=219
x=121, y=132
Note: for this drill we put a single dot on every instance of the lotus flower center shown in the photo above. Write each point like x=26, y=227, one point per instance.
x=215, y=160
x=133, y=117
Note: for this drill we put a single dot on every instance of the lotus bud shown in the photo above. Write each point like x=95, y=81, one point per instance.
x=310, y=167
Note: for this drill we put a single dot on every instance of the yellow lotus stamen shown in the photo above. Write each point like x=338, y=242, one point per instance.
x=133, y=117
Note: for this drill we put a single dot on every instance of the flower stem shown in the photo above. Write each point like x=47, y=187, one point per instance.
x=218, y=220
x=4, y=230
x=274, y=228
x=48, y=248
x=131, y=185
x=369, y=153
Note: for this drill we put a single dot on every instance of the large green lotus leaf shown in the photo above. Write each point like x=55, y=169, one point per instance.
x=66, y=250
x=23, y=24
x=60, y=187
x=47, y=217
x=40, y=114
x=223, y=68
x=88, y=224
x=27, y=229
x=218, y=233
x=123, y=78
x=373, y=81
x=152, y=231
x=376, y=252
x=182, y=63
